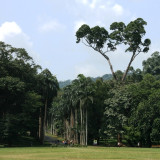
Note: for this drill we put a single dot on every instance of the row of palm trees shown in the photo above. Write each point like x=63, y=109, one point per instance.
x=47, y=88
x=72, y=108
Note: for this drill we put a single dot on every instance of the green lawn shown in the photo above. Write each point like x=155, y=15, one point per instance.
x=73, y=153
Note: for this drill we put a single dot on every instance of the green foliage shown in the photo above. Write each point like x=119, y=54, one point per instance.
x=95, y=37
x=117, y=111
x=20, y=101
x=145, y=102
x=152, y=65
x=131, y=35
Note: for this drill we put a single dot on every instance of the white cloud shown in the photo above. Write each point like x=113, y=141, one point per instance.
x=99, y=12
x=93, y=4
x=89, y=3
x=9, y=29
x=87, y=70
x=102, y=13
x=84, y=2
x=11, y=33
x=118, y=9
x=52, y=25
x=102, y=7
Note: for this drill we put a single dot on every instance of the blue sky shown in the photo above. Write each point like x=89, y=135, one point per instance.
x=46, y=29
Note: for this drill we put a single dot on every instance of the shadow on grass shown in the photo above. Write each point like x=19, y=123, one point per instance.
x=24, y=141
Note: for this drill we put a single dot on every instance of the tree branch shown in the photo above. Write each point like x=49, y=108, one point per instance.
x=103, y=54
x=111, y=68
x=85, y=43
x=125, y=73
x=136, y=55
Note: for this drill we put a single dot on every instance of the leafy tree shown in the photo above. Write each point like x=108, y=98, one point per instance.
x=101, y=41
x=96, y=119
x=48, y=86
x=74, y=103
x=134, y=76
x=85, y=92
x=152, y=65
x=117, y=111
x=145, y=103
x=17, y=85
x=96, y=38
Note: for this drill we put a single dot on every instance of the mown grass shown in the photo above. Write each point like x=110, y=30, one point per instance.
x=73, y=153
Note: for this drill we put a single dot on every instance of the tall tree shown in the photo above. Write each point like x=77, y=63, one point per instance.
x=145, y=116
x=17, y=92
x=97, y=38
x=152, y=65
x=118, y=109
x=101, y=41
x=48, y=87
x=85, y=94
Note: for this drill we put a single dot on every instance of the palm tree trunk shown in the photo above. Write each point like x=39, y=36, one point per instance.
x=71, y=125
x=45, y=117
x=41, y=126
x=76, y=126
x=86, y=127
x=81, y=123
x=83, y=135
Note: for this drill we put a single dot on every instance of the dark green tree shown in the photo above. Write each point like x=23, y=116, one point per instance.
x=152, y=65
x=145, y=114
x=17, y=89
x=48, y=87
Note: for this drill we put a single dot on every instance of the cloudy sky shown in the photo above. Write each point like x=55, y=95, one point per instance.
x=46, y=29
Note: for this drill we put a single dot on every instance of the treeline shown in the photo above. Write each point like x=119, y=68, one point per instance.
x=103, y=110
x=26, y=94
x=31, y=103
x=63, y=84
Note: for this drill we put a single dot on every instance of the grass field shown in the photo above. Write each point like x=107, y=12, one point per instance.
x=73, y=153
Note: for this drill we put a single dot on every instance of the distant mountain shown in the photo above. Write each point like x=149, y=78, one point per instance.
x=104, y=77
x=63, y=84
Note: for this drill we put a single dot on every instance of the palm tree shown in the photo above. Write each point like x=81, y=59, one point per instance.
x=48, y=89
x=85, y=91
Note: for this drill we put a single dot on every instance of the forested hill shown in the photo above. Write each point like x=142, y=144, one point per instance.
x=63, y=84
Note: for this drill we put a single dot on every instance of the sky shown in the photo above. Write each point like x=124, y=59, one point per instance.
x=47, y=28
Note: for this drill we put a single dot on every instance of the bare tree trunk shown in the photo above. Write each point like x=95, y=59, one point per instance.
x=45, y=114
x=110, y=65
x=86, y=127
x=125, y=73
x=81, y=126
x=41, y=126
x=52, y=126
x=76, y=126
x=83, y=143
x=71, y=125
x=119, y=138
x=67, y=130
x=44, y=120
